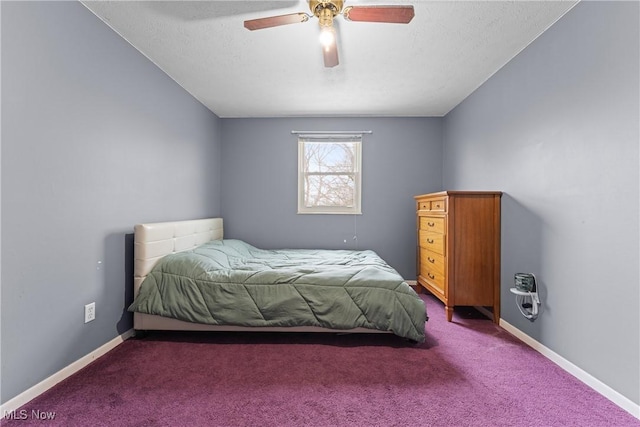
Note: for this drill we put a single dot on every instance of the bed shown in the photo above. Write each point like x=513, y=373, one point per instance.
x=189, y=278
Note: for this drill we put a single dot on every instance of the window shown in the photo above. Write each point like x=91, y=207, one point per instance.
x=329, y=176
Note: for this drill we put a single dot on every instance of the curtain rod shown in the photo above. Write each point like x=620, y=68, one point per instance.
x=336, y=132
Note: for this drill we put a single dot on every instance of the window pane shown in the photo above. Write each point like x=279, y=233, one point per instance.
x=330, y=157
x=329, y=190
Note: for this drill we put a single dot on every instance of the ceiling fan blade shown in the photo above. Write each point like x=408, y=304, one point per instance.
x=330, y=54
x=275, y=21
x=390, y=14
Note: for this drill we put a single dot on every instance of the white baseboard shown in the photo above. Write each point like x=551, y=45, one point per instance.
x=585, y=377
x=28, y=395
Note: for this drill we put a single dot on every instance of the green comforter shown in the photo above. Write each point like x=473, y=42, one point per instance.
x=229, y=282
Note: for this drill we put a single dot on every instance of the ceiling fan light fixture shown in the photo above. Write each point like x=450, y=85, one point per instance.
x=325, y=18
x=327, y=32
x=327, y=37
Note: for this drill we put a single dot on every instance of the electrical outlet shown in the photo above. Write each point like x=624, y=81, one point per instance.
x=89, y=312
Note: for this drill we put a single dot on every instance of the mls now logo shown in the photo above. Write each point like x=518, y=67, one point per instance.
x=23, y=414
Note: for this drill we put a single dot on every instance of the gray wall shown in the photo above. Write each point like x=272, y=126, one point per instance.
x=95, y=138
x=557, y=130
x=401, y=158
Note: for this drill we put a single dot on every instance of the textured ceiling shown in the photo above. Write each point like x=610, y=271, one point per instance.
x=424, y=68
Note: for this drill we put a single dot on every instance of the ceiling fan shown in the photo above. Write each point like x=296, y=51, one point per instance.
x=325, y=11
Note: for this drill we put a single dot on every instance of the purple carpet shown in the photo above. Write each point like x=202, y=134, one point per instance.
x=468, y=373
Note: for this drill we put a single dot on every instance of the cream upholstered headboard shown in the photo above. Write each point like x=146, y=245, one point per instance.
x=153, y=241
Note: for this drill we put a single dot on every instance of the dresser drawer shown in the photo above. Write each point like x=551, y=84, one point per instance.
x=432, y=261
x=432, y=277
x=432, y=224
x=439, y=205
x=432, y=241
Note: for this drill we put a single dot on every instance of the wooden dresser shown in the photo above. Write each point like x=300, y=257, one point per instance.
x=459, y=248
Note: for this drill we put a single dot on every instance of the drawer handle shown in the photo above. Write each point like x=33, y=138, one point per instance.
x=430, y=240
x=431, y=224
x=431, y=276
x=431, y=260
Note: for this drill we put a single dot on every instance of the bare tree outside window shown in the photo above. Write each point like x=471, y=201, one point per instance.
x=329, y=175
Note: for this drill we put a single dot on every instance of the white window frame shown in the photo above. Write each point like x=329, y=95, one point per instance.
x=355, y=207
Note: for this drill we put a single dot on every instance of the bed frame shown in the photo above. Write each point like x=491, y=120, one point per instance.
x=155, y=240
